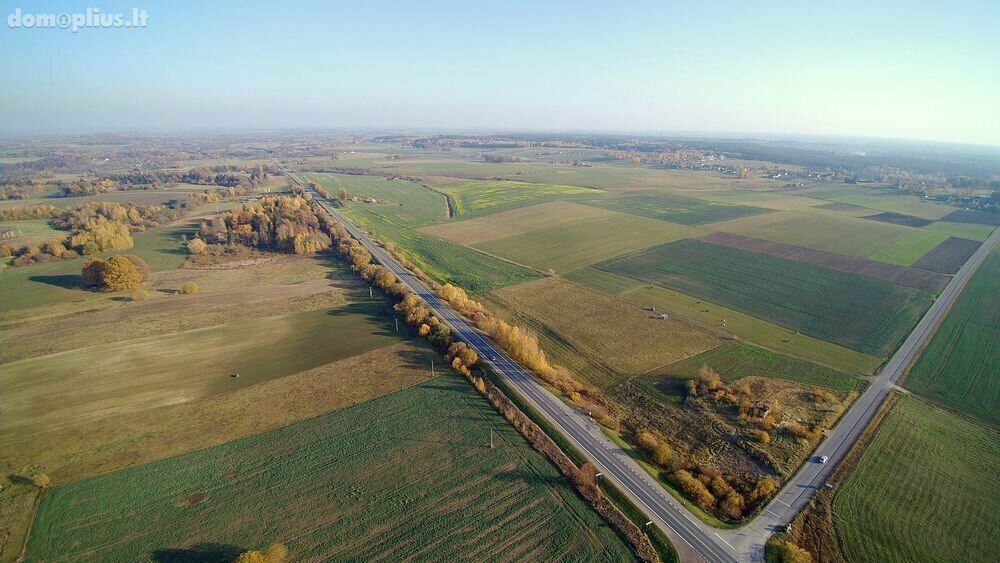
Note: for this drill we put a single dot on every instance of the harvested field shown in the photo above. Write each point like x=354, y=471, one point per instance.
x=910, y=277
x=569, y=246
x=111, y=442
x=823, y=230
x=871, y=316
x=515, y=222
x=978, y=217
x=725, y=321
x=899, y=219
x=66, y=388
x=601, y=338
x=412, y=470
x=948, y=256
x=676, y=208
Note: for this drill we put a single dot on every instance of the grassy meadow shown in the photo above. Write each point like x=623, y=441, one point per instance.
x=922, y=490
x=406, y=476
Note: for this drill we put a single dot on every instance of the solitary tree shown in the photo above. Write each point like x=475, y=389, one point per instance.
x=343, y=195
x=120, y=274
x=189, y=288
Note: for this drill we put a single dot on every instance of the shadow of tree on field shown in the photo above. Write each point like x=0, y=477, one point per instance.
x=67, y=281
x=199, y=553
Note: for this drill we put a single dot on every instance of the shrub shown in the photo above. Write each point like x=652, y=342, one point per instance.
x=145, y=272
x=788, y=552
x=93, y=272
x=662, y=454
x=189, y=288
x=140, y=295
x=197, y=246
x=762, y=437
x=764, y=488
x=646, y=440
x=41, y=480
x=694, y=488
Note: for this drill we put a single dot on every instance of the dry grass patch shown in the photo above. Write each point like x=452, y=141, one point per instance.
x=112, y=441
x=601, y=338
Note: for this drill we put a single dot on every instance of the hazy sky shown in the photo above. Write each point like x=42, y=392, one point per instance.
x=923, y=70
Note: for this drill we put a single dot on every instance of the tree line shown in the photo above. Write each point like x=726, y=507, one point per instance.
x=93, y=228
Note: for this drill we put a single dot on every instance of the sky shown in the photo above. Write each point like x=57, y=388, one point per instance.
x=913, y=70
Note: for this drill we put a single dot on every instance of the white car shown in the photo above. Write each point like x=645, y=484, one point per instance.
x=823, y=459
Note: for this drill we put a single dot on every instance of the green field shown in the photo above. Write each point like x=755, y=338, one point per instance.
x=442, y=260
x=733, y=361
x=474, y=199
x=924, y=489
x=676, y=208
x=576, y=244
x=405, y=476
x=864, y=314
x=406, y=203
x=960, y=368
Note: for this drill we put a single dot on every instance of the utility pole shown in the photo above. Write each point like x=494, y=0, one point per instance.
x=432, y=368
x=491, y=438
x=370, y=296
x=397, y=323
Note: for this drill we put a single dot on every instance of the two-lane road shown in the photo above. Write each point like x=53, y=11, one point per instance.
x=694, y=539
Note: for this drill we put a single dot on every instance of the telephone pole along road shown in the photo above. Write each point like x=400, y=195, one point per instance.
x=693, y=539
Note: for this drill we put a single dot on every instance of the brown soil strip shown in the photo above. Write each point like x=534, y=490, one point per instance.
x=910, y=277
x=899, y=219
x=840, y=207
x=948, y=256
x=978, y=217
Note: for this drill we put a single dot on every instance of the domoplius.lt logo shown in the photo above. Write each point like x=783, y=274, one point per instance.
x=91, y=18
